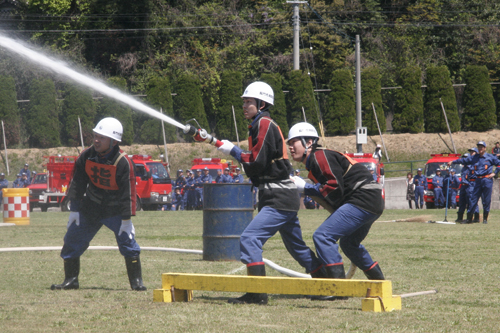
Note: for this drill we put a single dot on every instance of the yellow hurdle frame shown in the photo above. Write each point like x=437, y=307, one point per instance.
x=377, y=294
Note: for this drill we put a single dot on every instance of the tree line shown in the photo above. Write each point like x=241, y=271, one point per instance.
x=205, y=52
x=47, y=122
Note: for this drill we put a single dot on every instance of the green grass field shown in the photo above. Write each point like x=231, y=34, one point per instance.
x=461, y=261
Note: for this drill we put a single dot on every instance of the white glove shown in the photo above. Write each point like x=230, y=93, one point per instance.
x=128, y=228
x=300, y=183
x=73, y=217
x=226, y=147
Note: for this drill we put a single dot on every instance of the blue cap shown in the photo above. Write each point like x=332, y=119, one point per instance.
x=482, y=143
x=438, y=170
x=465, y=155
x=206, y=168
x=419, y=169
x=238, y=169
x=297, y=170
x=189, y=171
x=198, y=170
x=452, y=170
x=226, y=169
x=180, y=170
x=369, y=168
x=474, y=149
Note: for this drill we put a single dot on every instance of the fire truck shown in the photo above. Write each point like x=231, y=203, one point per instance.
x=213, y=164
x=49, y=188
x=439, y=161
x=367, y=160
x=153, y=184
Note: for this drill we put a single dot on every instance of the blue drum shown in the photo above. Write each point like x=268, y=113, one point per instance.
x=227, y=211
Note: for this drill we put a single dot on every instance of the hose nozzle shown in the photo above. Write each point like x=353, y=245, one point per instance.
x=201, y=135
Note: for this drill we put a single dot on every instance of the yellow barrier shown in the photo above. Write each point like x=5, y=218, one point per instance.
x=16, y=206
x=377, y=294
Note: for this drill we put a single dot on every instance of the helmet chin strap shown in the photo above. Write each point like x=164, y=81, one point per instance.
x=304, y=143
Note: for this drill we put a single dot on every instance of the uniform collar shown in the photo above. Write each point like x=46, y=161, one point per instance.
x=258, y=116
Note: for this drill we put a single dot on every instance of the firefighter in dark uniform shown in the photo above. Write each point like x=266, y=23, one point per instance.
x=482, y=164
x=102, y=192
x=420, y=182
x=26, y=170
x=180, y=182
x=177, y=200
x=267, y=165
x=437, y=181
x=309, y=202
x=18, y=183
x=189, y=191
x=465, y=190
x=198, y=187
x=348, y=191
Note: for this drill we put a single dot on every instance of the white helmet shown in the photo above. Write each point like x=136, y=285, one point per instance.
x=259, y=90
x=305, y=130
x=110, y=127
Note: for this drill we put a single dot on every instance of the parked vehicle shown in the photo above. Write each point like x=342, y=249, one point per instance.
x=439, y=161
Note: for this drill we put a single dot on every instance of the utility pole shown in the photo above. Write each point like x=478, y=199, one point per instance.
x=296, y=33
x=361, y=132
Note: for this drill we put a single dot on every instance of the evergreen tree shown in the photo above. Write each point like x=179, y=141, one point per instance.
x=42, y=119
x=340, y=114
x=109, y=107
x=9, y=111
x=77, y=103
x=479, y=105
x=439, y=87
x=159, y=97
x=371, y=93
x=188, y=103
x=278, y=110
x=409, y=103
x=301, y=95
x=231, y=88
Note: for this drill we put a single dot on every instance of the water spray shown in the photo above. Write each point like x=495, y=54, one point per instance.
x=201, y=135
x=60, y=68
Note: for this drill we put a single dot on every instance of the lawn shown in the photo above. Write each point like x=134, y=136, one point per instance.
x=461, y=261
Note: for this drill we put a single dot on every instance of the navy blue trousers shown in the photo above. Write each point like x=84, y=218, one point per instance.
x=419, y=196
x=266, y=224
x=482, y=189
x=347, y=226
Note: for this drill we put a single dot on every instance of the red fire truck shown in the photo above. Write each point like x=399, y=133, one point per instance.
x=368, y=161
x=213, y=164
x=439, y=161
x=49, y=188
x=153, y=184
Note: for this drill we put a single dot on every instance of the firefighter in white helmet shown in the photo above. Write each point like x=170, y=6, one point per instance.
x=102, y=192
x=266, y=164
x=348, y=191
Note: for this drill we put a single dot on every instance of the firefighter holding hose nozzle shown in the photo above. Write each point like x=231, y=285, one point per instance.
x=267, y=165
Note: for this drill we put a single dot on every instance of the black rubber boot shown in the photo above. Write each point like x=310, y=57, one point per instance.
x=469, y=219
x=252, y=298
x=134, y=272
x=332, y=272
x=485, y=217
x=460, y=217
x=71, y=271
x=374, y=273
x=476, y=218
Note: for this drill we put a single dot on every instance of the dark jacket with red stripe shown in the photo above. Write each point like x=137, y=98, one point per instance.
x=103, y=200
x=267, y=165
x=342, y=180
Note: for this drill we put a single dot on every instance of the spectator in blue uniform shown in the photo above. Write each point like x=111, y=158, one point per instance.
x=466, y=186
x=496, y=150
x=18, y=183
x=218, y=179
x=177, y=200
x=26, y=170
x=4, y=183
x=452, y=184
x=437, y=182
x=482, y=168
x=226, y=177
x=238, y=177
x=297, y=173
x=372, y=171
x=309, y=203
x=420, y=182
